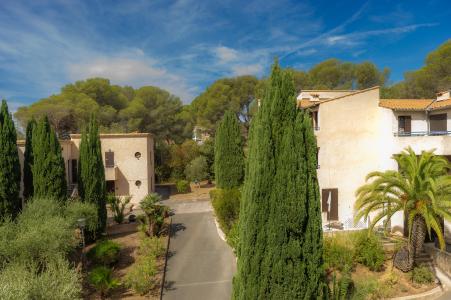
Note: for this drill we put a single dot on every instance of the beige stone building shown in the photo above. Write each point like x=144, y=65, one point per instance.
x=357, y=132
x=128, y=160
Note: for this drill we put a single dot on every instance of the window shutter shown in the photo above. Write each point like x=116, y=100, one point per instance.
x=325, y=194
x=333, y=215
x=408, y=124
x=109, y=159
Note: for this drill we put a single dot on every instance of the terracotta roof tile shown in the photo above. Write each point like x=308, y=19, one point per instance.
x=440, y=104
x=405, y=104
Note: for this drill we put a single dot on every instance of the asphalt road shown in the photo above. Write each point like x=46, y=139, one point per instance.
x=200, y=265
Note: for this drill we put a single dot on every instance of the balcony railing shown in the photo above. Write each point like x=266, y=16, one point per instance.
x=422, y=133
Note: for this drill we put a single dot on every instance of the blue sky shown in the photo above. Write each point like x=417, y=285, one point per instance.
x=184, y=45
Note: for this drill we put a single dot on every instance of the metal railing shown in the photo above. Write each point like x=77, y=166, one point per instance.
x=422, y=133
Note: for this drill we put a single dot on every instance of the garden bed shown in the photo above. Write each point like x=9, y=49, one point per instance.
x=129, y=237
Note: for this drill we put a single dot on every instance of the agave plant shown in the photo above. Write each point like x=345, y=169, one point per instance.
x=421, y=189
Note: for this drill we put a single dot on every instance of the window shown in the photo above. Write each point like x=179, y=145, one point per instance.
x=138, y=183
x=109, y=159
x=314, y=116
x=138, y=155
x=110, y=187
x=405, y=124
x=437, y=123
x=329, y=203
x=74, y=170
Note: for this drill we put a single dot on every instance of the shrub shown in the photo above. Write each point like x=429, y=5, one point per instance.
x=196, y=170
x=182, y=186
x=233, y=238
x=141, y=276
x=118, y=206
x=226, y=203
x=77, y=209
x=338, y=254
x=105, y=252
x=25, y=281
x=366, y=289
x=422, y=275
x=343, y=287
x=369, y=251
x=102, y=279
x=151, y=246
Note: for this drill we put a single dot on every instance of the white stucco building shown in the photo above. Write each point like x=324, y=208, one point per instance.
x=128, y=159
x=357, y=133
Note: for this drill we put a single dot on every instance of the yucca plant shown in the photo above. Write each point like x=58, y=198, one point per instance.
x=102, y=279
x=118, y=206
x=421, y=189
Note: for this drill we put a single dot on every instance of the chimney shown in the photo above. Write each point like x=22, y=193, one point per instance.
x=444, y=95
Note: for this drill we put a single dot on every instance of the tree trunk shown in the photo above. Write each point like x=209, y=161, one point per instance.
x=404, y=259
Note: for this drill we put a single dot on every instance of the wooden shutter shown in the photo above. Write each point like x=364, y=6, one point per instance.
x=333, y=213
x=438, y=123
x=109, y=159
x=408, y=124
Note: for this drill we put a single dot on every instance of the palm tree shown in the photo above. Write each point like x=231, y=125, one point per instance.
x=421, y=188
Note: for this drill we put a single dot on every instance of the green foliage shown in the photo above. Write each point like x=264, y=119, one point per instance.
x=235, y=94
x=102, y=279
x=118, y=206
x=338, y=253
x=76, y=210
x=229, y=156
x=91, y=172
x=154, y=212
x=434, y=76
x=26, y=281
x=162, y=159
x=105, y=252
x=10, y=203
x=369, y=251
x=422, y=275
x=233, y=237
x=49, y=173
x=141, y=277
x=181, y=156
x=182, y=186
x=119, y=109
x=207, y=149
x=40, y=234
x=367, y=288
x=197, y=169
x=28, y=161
x=226, y=203
x=342, y=287
x=280, y=254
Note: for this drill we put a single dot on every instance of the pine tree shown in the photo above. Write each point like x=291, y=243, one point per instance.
x=28, y=161
x=229, y=157
x=91, y=172
x=10, y=203
x=280, y=250
x=49, y=173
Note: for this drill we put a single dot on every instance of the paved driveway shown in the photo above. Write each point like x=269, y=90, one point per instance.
x=201, y=265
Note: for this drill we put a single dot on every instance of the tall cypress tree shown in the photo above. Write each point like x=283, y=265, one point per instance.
x=280, y=250
x=91, y=172
x=229, y=157
x=10, y=203
x=49, y=173
x=28, y=161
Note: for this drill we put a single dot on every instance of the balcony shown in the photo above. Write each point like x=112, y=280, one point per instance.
x=422, y=133
x=111, y=173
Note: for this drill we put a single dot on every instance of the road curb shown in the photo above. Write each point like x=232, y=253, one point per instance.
x=163, y=279
x=431, y=294
x=219, y=230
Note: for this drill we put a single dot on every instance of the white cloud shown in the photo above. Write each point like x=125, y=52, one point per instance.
x=254, y=69
x=225, y=54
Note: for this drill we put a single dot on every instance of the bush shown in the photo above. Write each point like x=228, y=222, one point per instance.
x=77, y=209
x=151, y=246
x=338, y=253
x=369, y=251
x=102, y=279
x=233, y=238
x=196, y=170
x=141, y=276
x=182, y=186
x=118, y=206
x=25, y=281
x=422, y=275
x=226, y=203
x=105, y=252
x=343, y=287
